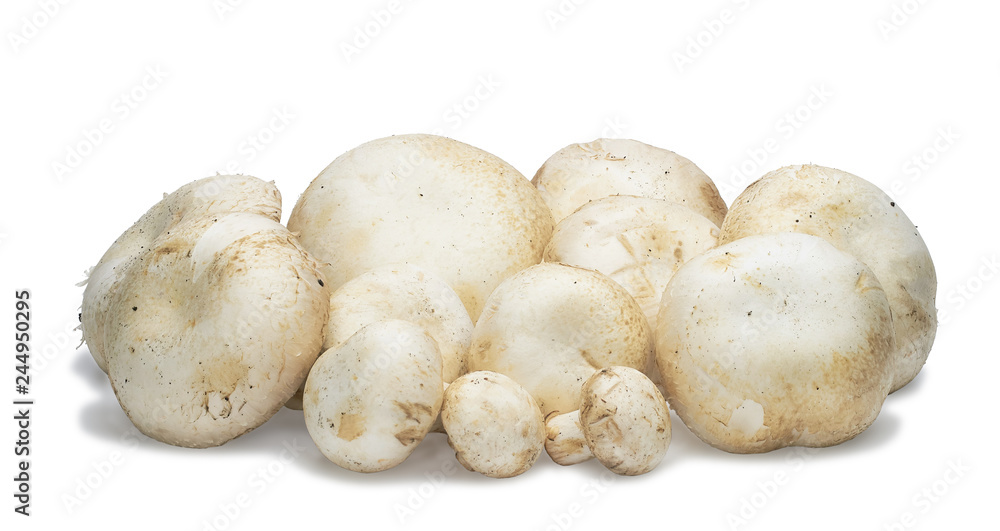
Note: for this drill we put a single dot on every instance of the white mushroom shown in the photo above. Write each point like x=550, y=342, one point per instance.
x=552, y=326
x=579, y=173
x=637, y=241
x=775, y=340
x=493, y=424
x=623, y=421
x=859, y=219
x=453, y=209
x=213, y=195
x=401, y=292
x=211, y=325
x=368, y=403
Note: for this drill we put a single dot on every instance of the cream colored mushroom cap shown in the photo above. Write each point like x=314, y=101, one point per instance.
x=368, y=403
x=858, y=218
x=455, y=210
x=637, y=241
x=551, y=326
x=408, y=293
x=625, y=420
x=775, y=340
x=212, y=195
x=580, y=173
x=212, y=327
x=493, y=424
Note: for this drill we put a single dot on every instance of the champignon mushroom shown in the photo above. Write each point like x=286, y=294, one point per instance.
x=368, y=403
x=579, y=173
x=405, y=292
x=551, y=326
x=623, y=421
x=858, y=218
x=453, y=209
x=775, y=340
x=214, y=322
x=213, y=195
x=493, y=424
x=637, y=241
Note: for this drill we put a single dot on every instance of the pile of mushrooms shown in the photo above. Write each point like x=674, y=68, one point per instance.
x=424, y=285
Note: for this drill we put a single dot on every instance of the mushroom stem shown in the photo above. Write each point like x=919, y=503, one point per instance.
x=565, y=443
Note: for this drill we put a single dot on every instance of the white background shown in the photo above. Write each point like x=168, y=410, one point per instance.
x=871, y=90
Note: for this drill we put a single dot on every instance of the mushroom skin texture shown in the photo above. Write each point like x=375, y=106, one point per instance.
x=493, y=424
x=368, y=403
x=404, y=292
x=623, y=421
x=212, y=327
x=775, y=340
x=579, y=173
x=637, y=241
x=551, y=326
x=455, y=210
x=209, y=196
x=860, y=219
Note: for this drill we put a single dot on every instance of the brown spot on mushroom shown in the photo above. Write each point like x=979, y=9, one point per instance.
x=411, y=435
x=414, y=411
x=352, y=426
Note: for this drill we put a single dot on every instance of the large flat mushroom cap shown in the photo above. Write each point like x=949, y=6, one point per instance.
x=775, y=340
x=858, y=218
x=453, y=209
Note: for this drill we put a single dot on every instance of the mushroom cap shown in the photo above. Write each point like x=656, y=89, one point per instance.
x=625, y=420
x=212, y=195
x=369, y=402
x=637, y=241
x=858, y=218
x=426, y=200
x=493, y=424
x=408, y=293
x=775, y=340
x=579, y=173
x=551, y=326
x=212, y=327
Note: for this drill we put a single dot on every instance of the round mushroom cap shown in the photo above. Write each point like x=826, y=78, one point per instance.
x=455, y=210
x=212, y=327
x=209, y=196
x=579, y=173
x=551, y=326
x=775, y=340
x=408, y=293
x=368, y=403
x=637, y=241
x=493, y=424
x=858, y=218
x=625, y=420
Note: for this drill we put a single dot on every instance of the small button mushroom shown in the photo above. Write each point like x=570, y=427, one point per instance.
x=368, y=403
x=623, y=421
x=579, y=173
x=206, y=313
x=775, y=340
x=551, y=326
x=455, y=210
x=860, y=219
x=493, y=424
x=405, y=292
